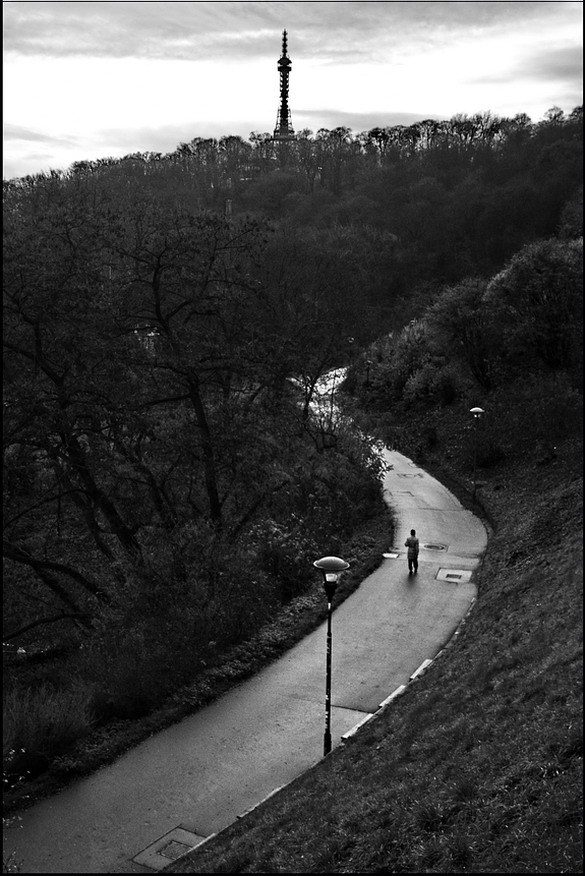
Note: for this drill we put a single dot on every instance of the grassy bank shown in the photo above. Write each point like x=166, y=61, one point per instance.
x=478, y=767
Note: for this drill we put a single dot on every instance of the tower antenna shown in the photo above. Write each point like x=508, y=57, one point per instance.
x=284, y=129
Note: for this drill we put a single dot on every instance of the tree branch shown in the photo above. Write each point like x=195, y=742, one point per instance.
x=16, y=553
x=64, y=615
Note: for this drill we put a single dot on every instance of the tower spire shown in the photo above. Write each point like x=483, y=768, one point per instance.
x=284, y=129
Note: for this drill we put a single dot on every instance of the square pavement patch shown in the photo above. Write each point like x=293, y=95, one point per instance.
x=168, y=848
x=456, y=576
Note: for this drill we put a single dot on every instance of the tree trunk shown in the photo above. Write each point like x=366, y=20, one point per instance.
x=208, y=452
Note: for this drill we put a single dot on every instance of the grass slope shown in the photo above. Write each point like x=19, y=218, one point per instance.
x=478, y=767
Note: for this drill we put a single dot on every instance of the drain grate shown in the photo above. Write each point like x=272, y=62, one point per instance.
x=167, y=848
x=455, y=576
x=174, y=850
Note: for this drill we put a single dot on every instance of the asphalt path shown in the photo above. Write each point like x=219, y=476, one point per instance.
x=197, y=777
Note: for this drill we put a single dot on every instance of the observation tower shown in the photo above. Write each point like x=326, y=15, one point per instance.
x=284, y=129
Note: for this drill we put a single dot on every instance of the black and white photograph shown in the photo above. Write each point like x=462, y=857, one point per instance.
x=293, y=451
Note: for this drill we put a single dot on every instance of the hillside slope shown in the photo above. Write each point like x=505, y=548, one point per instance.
x=478, y=767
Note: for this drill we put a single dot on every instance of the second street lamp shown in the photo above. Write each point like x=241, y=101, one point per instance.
x=331, y=568
x=477, y=412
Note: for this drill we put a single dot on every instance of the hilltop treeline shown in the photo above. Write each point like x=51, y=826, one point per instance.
x=168, y=481
x=417, y=206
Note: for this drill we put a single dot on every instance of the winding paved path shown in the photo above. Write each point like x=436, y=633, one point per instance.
x=197, y=777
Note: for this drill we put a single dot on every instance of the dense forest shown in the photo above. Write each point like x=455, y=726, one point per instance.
x=167, y=318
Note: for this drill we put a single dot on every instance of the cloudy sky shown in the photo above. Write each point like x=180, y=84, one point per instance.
x=85, y=80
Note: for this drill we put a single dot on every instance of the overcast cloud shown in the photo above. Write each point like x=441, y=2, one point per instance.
x=208, y=30
x=89, y=79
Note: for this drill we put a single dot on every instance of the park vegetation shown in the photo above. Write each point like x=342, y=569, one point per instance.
x=168, y=478
x=478, y=766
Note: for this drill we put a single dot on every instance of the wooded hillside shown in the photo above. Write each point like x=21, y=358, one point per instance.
x=166, y=320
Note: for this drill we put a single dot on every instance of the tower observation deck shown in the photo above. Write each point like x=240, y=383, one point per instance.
x=284, y=129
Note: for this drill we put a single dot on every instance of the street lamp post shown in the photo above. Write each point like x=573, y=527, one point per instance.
x=350, y=349
x=368, y=366
x=331, y=568
x=477, y=412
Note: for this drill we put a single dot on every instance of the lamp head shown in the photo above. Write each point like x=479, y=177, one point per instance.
x=331, y=568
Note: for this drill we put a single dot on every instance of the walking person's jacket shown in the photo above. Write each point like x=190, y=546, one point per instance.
x=412, y=544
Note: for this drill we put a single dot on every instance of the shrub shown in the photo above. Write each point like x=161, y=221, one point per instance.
x=447, y=388
x=142, y=650
x=403, y=357
x=456, y=328
x=435, y=380
x=166, y=627
x=40, y=723
x=535, y=307
x=285, y=555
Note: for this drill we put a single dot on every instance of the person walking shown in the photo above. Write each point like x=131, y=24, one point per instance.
x=412, y=544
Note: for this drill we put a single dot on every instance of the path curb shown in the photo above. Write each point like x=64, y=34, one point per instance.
x=396, y=694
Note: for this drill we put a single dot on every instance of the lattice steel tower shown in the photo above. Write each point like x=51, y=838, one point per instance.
x=284, y=128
